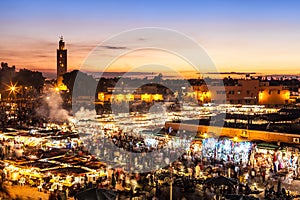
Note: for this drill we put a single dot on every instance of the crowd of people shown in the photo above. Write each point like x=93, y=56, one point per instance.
x=221, y=157
x=184, y=161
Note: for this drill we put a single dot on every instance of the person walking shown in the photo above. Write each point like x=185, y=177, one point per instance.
x=113, y=181
x=252, y=174
x=263, y=174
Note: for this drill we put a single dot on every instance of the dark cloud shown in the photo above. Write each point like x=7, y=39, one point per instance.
x=113, y=47
x=234, y=73
x=142, y=39
x=20, y=54
x=42, y=56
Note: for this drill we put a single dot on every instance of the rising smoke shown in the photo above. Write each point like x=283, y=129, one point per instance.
x=52, y=107
x=85, y=114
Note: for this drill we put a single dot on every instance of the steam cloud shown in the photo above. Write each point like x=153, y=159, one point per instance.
x=51, y=107
x=85, y=114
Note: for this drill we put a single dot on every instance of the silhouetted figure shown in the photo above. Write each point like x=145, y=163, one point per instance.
x=113, y=181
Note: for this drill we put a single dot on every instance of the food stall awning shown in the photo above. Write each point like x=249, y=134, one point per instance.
x=267, y=146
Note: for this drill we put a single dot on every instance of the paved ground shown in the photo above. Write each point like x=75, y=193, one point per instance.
x=27, y=192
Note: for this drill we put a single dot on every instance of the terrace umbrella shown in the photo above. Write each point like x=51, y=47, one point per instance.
x=221, y=180
x=240, y=197
x=90, y=194
x=253, y=192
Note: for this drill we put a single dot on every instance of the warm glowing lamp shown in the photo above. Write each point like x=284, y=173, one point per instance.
x=235, y=139
x=12, y=88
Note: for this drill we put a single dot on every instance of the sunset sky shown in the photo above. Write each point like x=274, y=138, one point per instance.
x=258, y=35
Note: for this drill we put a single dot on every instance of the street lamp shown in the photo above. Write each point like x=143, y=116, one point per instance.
x=13, y=89
x=235, y=139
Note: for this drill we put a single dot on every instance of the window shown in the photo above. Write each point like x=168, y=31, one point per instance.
x=248, y=92
x=60, y=55
x=221, y=92
x=238, y=92
x=278, y=92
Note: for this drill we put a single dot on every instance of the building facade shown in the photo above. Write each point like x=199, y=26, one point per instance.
x=273, y=95
x=246, y=92
x=243, y=91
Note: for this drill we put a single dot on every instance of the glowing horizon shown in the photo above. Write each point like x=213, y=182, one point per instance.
x=254, y=36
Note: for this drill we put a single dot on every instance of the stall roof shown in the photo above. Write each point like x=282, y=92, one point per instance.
x=67, y=170
x=267, y=146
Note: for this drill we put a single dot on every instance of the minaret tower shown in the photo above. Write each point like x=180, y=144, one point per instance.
x=61, y=63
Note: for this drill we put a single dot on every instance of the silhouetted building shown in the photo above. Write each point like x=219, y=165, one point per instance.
x=61, y=63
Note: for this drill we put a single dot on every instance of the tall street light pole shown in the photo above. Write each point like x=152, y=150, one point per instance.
x=171, y=182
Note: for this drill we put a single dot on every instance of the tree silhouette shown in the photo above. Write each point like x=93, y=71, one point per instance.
x=29, y=78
